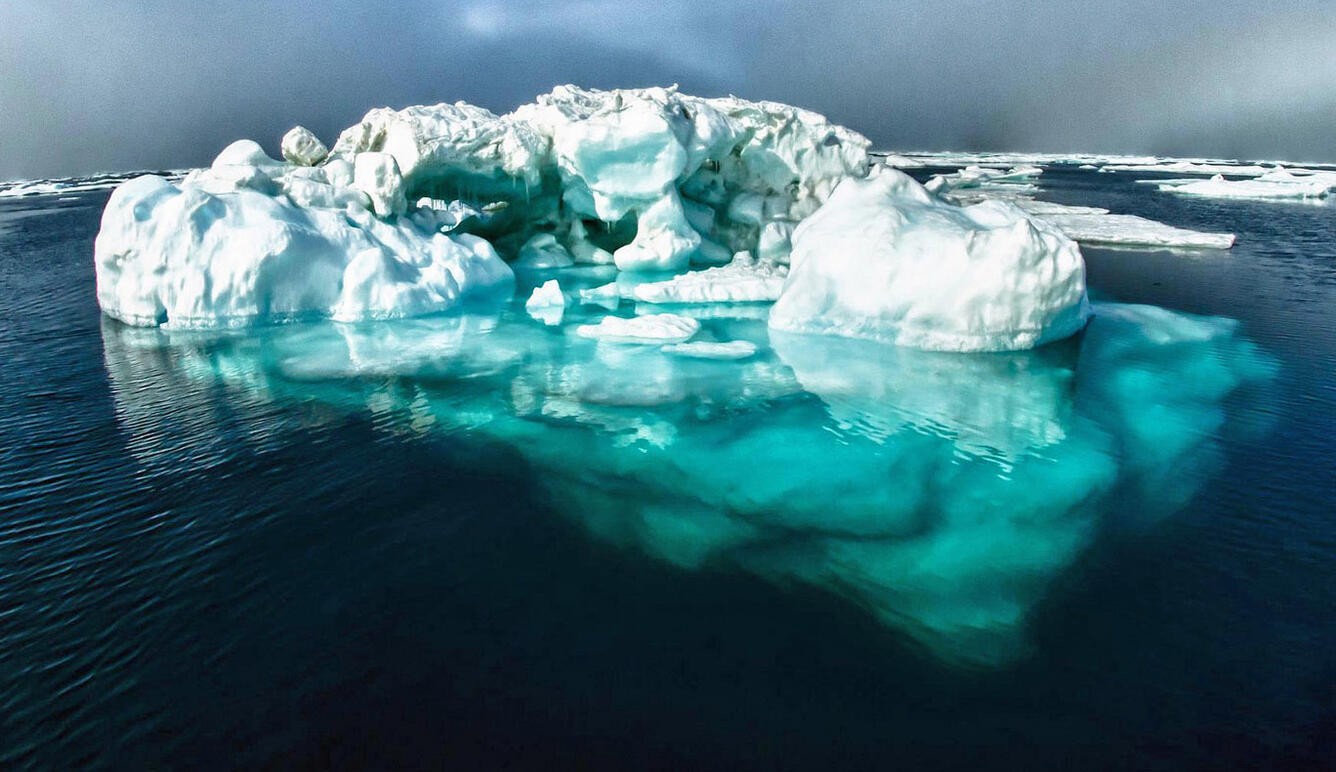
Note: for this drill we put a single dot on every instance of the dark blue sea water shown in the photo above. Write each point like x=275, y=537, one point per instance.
x=474, y=543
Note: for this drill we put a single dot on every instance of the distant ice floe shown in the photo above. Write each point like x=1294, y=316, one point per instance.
x=1097, y=162
x=1276, y=184
x=1087, y=225
x=64, y=186
x=972, y=177
x=1126, y=230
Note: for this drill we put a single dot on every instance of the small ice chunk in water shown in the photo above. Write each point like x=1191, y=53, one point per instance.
x=650, y=329
x=547, y=303
x=607, y=295
x=710, y=349
x=744, y=280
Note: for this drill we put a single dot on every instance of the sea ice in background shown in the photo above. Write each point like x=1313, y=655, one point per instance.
x=1094, y=225
x=1128, y=230
x=978, y=176
x=898, y=161
x=884, y=259
x=1272, y=185
x=1192, y=167
x=70, y=185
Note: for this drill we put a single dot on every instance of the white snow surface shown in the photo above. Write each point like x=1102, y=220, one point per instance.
x=547, y=303
x=886, y=260
x=1272, y=185
x=1132, y=231
x=647, y=329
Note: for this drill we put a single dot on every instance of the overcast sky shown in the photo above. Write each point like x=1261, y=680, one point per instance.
x=150, y=84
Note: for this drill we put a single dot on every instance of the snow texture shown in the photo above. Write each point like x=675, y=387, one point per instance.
x=744, y=280
x=650, y=328
x=884, y=259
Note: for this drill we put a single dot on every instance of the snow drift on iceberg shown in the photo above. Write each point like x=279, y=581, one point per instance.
x=884, y=259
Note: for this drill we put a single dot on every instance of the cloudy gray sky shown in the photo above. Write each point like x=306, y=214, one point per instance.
x=152, y=84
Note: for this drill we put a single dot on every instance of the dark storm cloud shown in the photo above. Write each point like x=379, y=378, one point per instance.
x=155, y=84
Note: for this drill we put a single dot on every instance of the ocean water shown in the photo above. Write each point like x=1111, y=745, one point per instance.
x=478, y=541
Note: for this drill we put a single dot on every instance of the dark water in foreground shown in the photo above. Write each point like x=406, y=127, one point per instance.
x=476, y=543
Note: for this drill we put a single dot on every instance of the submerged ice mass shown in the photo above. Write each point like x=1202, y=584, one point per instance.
x=942, y=493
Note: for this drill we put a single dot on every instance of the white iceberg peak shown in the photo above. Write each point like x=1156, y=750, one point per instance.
x=302, y=147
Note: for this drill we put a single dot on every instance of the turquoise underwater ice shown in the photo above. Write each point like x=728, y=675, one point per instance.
x=943, y=493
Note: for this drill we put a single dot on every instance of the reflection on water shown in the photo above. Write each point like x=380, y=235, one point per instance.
x=943, y=492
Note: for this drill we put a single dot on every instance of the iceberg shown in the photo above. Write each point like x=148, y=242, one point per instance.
x=648, y=179
x=884, y=259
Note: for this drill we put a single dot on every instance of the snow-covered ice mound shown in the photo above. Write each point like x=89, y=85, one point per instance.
x=884, y=259
x=226, y=248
